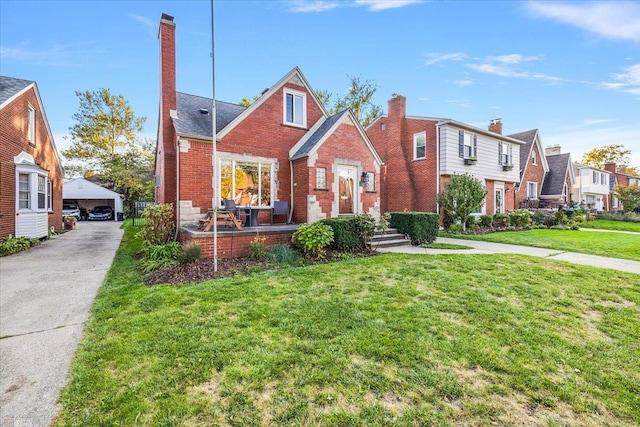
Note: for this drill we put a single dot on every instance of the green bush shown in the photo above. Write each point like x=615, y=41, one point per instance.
x=500, y=220
x=161, y=256
x=421, y=227
x=257, y=248
x=13, y=245
x=313, y=239
x=520, y=217
x=352, y=233
x=579, y=218
x=159, y=225
x=190, y=253
x=560, y=216
x=471, y=221
x=284, y=254
x=455, y=228
x=486, y=220
x=627, y=217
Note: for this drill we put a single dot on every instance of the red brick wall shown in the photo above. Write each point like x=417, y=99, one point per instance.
x=13, y=140
x=196, y=170
x=302, y=187
x=230, y=246
x=423, y=174
x=491, y=197
x=378, y=138
x=532, y=173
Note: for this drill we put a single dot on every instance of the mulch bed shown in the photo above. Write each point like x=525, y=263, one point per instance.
x=203, y=269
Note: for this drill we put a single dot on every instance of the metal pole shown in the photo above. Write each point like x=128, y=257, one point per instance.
x=216, y=203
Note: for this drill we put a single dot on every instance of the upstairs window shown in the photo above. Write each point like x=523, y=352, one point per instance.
x=505, y=153
x=294, y=108
x=467, y=145
x=31, y=120
x=534, y=158
x=603, y=179
x=595, y=177
x=420, y=146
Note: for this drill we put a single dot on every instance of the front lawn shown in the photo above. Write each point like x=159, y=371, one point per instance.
x=385, y=340
x=616, y=245
x=606, y=224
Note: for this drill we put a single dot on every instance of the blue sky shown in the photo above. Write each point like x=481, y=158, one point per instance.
x=570, y=69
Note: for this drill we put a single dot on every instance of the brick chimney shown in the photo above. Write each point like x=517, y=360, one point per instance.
x=166, y=163
x=496, y=126
x=552, y=150
x=621, y=169
x=610, y=167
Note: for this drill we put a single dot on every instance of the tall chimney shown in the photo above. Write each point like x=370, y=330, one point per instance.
x=552, y=150
x=168, y=103
x=610, y=167
x=496, y=126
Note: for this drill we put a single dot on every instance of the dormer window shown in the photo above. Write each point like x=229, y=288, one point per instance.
x=31, y=120
x=295, y=108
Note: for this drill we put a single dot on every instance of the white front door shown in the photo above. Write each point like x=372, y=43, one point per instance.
x=347, y=190
x=499, y=206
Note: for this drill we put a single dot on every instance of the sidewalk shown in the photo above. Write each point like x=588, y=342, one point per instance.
x=480, y=247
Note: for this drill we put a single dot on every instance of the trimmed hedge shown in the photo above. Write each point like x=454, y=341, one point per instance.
x=421, y=227
x=345, y=234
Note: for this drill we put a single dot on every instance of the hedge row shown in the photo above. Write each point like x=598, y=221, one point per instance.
x=421, y=227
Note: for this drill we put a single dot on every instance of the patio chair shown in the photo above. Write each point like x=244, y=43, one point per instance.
x=231, y=208
x=280, y=208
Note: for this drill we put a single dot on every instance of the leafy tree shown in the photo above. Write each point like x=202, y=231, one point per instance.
x=359, y=98
x=628, y=196
x=245, y=102
x=613, y=153
x=104, y=141
x=462, y=196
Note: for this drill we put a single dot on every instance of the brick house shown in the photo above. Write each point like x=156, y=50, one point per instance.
x=533, y=169
x=283, y=147
x=618, y=177
x=421, y=153
x=30, y=171
x=558, y=183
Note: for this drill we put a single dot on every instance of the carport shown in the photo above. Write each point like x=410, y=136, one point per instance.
x=88, y=195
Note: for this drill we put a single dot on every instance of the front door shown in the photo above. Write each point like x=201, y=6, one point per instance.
x=347, y=189
x=499, y=201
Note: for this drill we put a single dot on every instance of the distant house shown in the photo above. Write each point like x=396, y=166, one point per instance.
x=619, y=177
x=591, y=188
x=30, y=170
x=88, y=195
x=533, y=169
x=421, y=153
x=558, y=184
x=283, y=147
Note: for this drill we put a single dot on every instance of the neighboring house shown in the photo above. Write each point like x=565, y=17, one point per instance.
x=421, y=153
x=88, y=195
x=591, y=188
x=533, y=169
x=559, y=182
x=283, y=147
x=619, y=177
x=30, y=170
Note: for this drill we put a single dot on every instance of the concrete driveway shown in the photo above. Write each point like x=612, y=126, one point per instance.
x=45, y=296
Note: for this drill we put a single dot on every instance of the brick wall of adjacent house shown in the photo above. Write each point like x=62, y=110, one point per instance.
x=490, y=205
x=532, y=173
x=236, y=245
x=13, y=140
x=301, y=188
x=423, y=174
x=377, y=133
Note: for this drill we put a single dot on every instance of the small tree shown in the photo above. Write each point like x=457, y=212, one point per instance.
x=462, y=196
x=628, y=196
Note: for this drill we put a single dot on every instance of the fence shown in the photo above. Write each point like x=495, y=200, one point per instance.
x=137, y=210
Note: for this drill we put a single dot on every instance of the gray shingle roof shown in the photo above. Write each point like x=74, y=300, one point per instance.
x=10, y=86
x=558, y=168
x=191, y=121
x=314, y=139
x=527, y=137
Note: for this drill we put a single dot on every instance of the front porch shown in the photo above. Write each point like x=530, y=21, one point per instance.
x=233, y=242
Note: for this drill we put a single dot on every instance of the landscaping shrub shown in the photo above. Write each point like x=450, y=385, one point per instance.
x=13, y=245
x=560, y=216
x=500, y=220
x=455, y=228
x=284, y=254
x=257, y=248
x=538, y=218
x=579, y=218
x=470, y=222
x=550, y=221
x=159, y=225
x=486, y=220
x=313, y=239
x=520, y=217
x=627, y=217
x=161, y=256
x=421, y=227
x=190, y=253
x=448, y=220
x=351, y=233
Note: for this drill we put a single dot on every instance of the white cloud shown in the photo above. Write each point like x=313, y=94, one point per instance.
x=513, y=58
x=627, y=81
x=613, y=19
x=423, y=98
x=148, y=24
x=592, y=122
x=463, y=82
x=459, y=102
x=497, y=70
x=433, y=57
x=57, y=55
x=304, y=6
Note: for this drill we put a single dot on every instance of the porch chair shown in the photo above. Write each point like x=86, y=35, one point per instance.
x=280, y=208
x=231, y=209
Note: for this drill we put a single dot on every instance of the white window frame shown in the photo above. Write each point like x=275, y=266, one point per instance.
x=234, y=159
x=371, y=182
x=41, y=188
x=296, y=121
x=534, y=158
x=505, y=153
x=595, y=177
x=321, y=178
x=469, y=145
x=31, y=122
x=532, y=187
x=419, y=139
x=22, y=191
x=49, y=194
x=603, y=179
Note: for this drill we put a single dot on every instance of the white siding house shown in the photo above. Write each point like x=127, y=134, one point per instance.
x=591, y=187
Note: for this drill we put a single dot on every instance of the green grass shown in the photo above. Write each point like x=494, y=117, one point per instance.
x=391, y=340
x=605, y=224
x=436, y=245
x=616, y=245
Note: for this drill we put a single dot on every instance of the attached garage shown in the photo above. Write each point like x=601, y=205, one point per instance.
x=89, y=195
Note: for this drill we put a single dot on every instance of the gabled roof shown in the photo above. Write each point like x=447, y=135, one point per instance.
x=318, y=134
x=559, y=167
x=11, y=87
x=476, y=130
x=295, y=76
x=530, y=138
x=194, y=115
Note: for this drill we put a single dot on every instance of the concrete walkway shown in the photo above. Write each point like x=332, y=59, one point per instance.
x=480, y=247
x=45, y=296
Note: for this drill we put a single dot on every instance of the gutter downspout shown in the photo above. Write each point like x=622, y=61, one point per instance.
x=177, y=186
x=437, y=166
x=291, y=195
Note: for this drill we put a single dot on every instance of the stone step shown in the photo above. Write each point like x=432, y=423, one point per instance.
x=387, y=231
x=390, y=243
x=382, y=237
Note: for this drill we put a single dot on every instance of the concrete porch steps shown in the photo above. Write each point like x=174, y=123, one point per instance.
x=391, y=238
